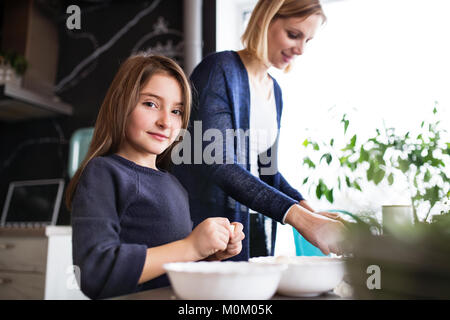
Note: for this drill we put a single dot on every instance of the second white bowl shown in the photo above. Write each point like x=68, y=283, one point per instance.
x=306, y=276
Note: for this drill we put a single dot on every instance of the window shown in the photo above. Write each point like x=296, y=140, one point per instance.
x=382, y=62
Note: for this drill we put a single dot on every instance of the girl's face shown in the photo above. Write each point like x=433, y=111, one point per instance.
x=287, y=38
x=157, y=119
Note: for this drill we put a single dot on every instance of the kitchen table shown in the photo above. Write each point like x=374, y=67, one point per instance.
x=167, y=293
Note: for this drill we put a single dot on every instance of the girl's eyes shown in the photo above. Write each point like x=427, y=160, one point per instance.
x=149, y=104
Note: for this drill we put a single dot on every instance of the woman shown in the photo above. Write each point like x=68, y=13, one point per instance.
x=236, y=97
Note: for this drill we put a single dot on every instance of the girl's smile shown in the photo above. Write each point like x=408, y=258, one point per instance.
x=157, y=136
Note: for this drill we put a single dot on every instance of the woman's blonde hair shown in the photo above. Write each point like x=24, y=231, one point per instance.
x=120, y=100
x=265, y=11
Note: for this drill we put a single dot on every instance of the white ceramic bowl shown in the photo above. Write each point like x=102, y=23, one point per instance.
x=227, y=280
x=306, y=276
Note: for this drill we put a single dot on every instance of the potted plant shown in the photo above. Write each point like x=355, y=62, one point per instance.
x=12, y=67
x=421, y=160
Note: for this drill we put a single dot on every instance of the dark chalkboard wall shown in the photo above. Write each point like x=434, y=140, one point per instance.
x=88, y=59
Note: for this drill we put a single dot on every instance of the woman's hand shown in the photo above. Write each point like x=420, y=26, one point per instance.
x=320, y=229
x=331, y=215
x=210, y=236
x=234, y=246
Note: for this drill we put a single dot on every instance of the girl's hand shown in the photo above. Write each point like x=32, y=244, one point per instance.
x=210, y=236
x=235, y=244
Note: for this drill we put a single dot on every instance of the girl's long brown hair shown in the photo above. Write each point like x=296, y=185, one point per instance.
x=120, y=100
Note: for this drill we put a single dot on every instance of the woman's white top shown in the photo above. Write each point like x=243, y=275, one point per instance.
x=263, y=125
x=263, y=130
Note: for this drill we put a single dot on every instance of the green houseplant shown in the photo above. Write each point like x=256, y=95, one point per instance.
x=16, y=61
x=421, y=159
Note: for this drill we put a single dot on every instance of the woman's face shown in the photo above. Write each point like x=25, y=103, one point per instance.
x=287, y=38
x=157, y=119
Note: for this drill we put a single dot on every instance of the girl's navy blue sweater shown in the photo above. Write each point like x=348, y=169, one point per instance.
x=119, y=210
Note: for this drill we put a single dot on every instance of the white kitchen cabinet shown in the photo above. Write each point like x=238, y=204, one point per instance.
x=36, y=263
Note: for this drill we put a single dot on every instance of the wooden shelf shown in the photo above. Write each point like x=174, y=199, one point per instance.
x=17, y=103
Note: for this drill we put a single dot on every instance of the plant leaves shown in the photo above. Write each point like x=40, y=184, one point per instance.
x=371, y=171
x=427, y=176
x=432, y=195
x=378, y=176
x=321, y=189
x=356, y=185
x=445, y=178
x=363, y=155
x=403, y=165
x=329, y=195
x=327, y=157
x=305, y=143
x=309, y=162
x=346, y=123
x=347, y=181
x=391, y=179
x=318, y=191
x=353, y=141
x=344, y=160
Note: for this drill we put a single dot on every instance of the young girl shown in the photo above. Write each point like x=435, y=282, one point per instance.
x=129, y=215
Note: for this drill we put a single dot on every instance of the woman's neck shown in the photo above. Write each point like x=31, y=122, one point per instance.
x=255, y=68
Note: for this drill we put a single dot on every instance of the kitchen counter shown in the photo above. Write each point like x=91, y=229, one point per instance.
x=36, y=263
x=36, y=232
x=167, y=293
